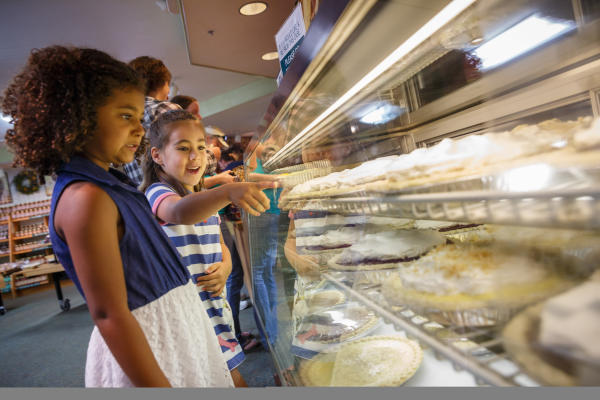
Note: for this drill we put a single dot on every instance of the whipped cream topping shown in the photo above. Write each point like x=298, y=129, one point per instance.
x=453, y=269
x=469, y=152
x=391, y=245
x=570, y=322
x=588, y=138
x=332, y=238
x=427, y=224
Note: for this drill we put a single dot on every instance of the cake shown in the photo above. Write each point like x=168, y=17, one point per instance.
x=386, y=249
x=335, y=324
x=557, y=340
x=372, y=361
x=470, y=285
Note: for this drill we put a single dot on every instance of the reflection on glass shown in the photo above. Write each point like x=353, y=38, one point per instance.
x=381, y=113
x=528, y=34
x=529, y=178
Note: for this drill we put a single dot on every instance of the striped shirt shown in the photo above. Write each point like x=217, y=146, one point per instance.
x=200, y=247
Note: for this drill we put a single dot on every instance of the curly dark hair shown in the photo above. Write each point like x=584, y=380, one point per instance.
x=158, y=136
x=183, y=101
x=152, y=70
x=53, y=103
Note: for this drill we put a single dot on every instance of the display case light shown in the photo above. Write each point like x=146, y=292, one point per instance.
x=525, y=36
x=253, y=8
x=453, y=9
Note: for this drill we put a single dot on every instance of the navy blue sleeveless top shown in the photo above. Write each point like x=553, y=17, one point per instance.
x=151, y=264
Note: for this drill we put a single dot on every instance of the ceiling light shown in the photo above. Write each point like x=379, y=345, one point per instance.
x=270, y=56
x=254, y=8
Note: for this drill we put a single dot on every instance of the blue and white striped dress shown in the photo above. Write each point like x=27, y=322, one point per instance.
x=200, y=247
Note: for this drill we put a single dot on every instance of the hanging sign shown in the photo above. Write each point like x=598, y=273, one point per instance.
x=289, y=37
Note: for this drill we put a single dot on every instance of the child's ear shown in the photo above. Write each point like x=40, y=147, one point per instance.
x=156, y=156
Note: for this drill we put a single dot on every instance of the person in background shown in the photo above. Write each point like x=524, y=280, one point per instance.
x=264, y=256
x=173, y=171
x=150, y=326
x=158, y=79
x=215, y=140
x=213, y=151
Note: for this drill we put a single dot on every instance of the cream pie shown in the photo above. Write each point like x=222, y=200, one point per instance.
x=386, y=249
x=372, y=361
x=471, y=285
x=455, y=158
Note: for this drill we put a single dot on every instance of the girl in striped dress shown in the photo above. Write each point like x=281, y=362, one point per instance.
x=173, y=171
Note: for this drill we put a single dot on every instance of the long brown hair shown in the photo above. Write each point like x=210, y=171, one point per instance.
x=158, y=136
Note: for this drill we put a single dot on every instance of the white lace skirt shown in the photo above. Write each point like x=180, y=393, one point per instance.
x=181, y=337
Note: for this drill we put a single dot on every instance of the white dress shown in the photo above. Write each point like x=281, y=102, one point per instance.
x=181, y=351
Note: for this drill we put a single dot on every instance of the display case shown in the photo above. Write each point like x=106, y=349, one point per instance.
x=437, y=218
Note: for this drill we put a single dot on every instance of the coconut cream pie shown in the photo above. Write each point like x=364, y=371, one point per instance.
x=386, y=249
x=372, y=361
x=471, y=285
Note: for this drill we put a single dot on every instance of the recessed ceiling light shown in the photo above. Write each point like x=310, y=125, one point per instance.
x=270, y=56
x=254, y=8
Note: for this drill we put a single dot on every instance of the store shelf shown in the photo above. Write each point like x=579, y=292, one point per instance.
x=29, y=218
x=489, y=366
x=42, y=247
x=30, y=236
x=572, y=209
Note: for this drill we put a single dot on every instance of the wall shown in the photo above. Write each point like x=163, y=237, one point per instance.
x=18, y=197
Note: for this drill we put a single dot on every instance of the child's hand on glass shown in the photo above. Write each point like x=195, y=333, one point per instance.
x=249, y=196
x=215, y=278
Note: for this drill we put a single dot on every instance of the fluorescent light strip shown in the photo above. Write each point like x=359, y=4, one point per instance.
x=519, y=39
x=432, y=26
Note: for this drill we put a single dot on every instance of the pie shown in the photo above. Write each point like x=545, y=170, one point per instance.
x=471, y=285
x=336, y=324
x=557, y=341
x=372, y=361
x=386, y=249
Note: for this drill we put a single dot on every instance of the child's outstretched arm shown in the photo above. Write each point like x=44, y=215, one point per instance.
x=216, y=275
x=198, y=206
x=88, y=220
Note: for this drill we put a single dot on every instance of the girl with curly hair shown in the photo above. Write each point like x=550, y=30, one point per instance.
x=76, y=112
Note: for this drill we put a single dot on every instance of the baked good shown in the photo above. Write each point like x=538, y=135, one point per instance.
x=557, y=341
x=325, y=299
x=386, y=249
x=334, y=239
x=336, y=324
x=470, y=285
x=372, y=361
x=452, y=159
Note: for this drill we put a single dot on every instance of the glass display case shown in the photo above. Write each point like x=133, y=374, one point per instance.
x=437, y=218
